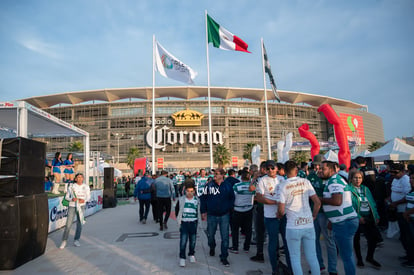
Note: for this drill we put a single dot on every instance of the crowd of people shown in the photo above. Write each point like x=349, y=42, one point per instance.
x=295, y=203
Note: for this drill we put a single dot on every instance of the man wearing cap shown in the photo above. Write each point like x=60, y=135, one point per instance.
x=337, y=205
x=266, y=194
x=164, y=192
x=400, y=187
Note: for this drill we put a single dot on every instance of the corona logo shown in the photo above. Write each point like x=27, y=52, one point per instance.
x=187, y=118
x=166, y=62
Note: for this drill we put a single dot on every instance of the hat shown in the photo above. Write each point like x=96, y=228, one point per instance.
x=397, y=167
x=270, y=162
x=317, y=159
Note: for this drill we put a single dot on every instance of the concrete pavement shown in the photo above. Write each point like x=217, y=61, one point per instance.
x=114, y=242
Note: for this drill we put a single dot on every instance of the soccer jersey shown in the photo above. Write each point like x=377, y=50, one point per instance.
x=243, y=197
x=335, y=214
x=295, y=193
x=364, y=208
x=302, y=174
x=399, y=189
x=267, y=187
x=190, y=210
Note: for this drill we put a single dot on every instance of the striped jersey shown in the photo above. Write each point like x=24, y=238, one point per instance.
x=335, y=214
x=243, y=197
x=190, y=210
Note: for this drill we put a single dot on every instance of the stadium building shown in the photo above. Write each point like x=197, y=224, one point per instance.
x=118, y=119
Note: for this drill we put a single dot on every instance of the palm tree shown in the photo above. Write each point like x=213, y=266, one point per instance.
x=221, y=155
x=133, y=153
x=301, y=156
x=247, y=154
x=375, y=146
x=76, y=146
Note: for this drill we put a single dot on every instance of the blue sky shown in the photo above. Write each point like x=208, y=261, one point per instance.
x=360, y=51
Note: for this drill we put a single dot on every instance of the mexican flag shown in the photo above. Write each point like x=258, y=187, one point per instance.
x=223, y=39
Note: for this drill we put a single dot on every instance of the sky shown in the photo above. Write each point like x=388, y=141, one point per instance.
x=361, y=51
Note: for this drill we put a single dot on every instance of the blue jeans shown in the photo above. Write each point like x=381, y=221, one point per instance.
x=188, y=231
x=321, y=226
x=223, y=223
x=273, y=227
x=143, y=214
x=343, y=233
x=294, y=238
x=69, y=221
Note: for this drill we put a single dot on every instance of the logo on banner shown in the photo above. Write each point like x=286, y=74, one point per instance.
x=354, y=128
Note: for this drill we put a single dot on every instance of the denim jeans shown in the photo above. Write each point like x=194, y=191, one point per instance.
x=343, y=233
x=188, y=231
x=223, y=223
x=143, y=214
x=294, y=238
x=69, y=221
x=273, y=227
x=321, y=226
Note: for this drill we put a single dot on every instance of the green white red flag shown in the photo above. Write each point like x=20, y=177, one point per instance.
x=223, y=39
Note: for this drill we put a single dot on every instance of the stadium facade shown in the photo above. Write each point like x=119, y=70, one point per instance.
x=118, y=119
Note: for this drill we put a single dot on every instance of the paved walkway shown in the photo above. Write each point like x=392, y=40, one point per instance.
x=114, y=242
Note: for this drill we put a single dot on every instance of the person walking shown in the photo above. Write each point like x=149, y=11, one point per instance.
x=294, y=195
x=216, y=202
x=165, y=192
x=78, y=194
x=337, y=205
x=364, y=204
x=142, y=192
x=186, y=211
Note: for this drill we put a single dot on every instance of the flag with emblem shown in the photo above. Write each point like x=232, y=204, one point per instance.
x=269, y=73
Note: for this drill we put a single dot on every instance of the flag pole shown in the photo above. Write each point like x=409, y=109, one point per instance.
x=153, y=104
x=269, y=152
x=210, y=134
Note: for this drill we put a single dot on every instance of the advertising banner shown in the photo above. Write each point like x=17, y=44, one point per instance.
x=354, y=127
x=58, y=213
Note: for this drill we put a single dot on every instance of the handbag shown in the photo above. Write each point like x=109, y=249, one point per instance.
x=65, y=202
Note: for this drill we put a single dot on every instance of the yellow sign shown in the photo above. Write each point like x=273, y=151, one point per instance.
x=187, y=118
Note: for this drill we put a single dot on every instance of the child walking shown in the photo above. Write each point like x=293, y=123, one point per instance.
x=186, y=211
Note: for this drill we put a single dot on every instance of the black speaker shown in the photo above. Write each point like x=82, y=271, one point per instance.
x=23, y=166
x=109, y=199
x=23, y=229
x=20, y=146
x=108, y=178
x=21, y=186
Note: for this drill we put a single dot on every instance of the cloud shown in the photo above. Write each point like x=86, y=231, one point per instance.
x=41, y=47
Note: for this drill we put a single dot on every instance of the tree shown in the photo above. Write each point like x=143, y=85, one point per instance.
x=375, y=146
x=76, y=146
x=301, y=156
x=274, y=155
x=221, y=155
x=247, y=154
x=133, y=153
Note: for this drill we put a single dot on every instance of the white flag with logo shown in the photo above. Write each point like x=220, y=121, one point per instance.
x=169, y=66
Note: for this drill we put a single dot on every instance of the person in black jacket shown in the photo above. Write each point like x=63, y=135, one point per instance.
x=217, y=201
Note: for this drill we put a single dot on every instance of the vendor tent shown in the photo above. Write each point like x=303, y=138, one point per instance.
x=395, y=150
x=361, y=154
x=18, y=118
x=102, y=165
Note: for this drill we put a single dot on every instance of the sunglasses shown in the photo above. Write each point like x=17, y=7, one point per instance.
x=271, y=168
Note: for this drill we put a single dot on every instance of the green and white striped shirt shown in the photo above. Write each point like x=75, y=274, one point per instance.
x=190, y=210
x=345, y=211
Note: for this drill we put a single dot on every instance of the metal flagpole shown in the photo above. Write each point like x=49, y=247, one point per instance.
x=269, y=153
x=153, y=105
x=210, y=134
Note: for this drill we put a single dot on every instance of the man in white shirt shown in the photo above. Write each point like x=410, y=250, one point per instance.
x=266, y=194
x=294, y=194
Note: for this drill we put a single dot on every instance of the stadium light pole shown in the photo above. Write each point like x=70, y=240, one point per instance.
x=118, y=137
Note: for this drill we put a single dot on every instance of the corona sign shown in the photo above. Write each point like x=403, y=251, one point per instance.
x=187, y=118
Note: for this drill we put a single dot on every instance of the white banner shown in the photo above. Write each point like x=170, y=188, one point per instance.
x=58, y=213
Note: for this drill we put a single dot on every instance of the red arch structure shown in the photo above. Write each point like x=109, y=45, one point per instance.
x=304, y=132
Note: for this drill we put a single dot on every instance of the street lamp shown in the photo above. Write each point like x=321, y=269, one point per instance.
x=118, y=137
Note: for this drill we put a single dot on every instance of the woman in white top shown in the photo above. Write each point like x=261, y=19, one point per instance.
x=78, y=194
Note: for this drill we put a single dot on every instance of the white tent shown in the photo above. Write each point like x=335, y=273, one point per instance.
x=18, y=118
x=102, y=165
x=361, y=154
x=394, y=150
x=331, y=156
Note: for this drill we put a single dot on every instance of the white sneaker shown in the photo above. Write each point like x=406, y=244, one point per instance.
x=62, y=245
x=76, y=243
x=192, y=259
x=182, y=262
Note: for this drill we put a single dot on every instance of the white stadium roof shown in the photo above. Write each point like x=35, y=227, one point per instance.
x=184, y=92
